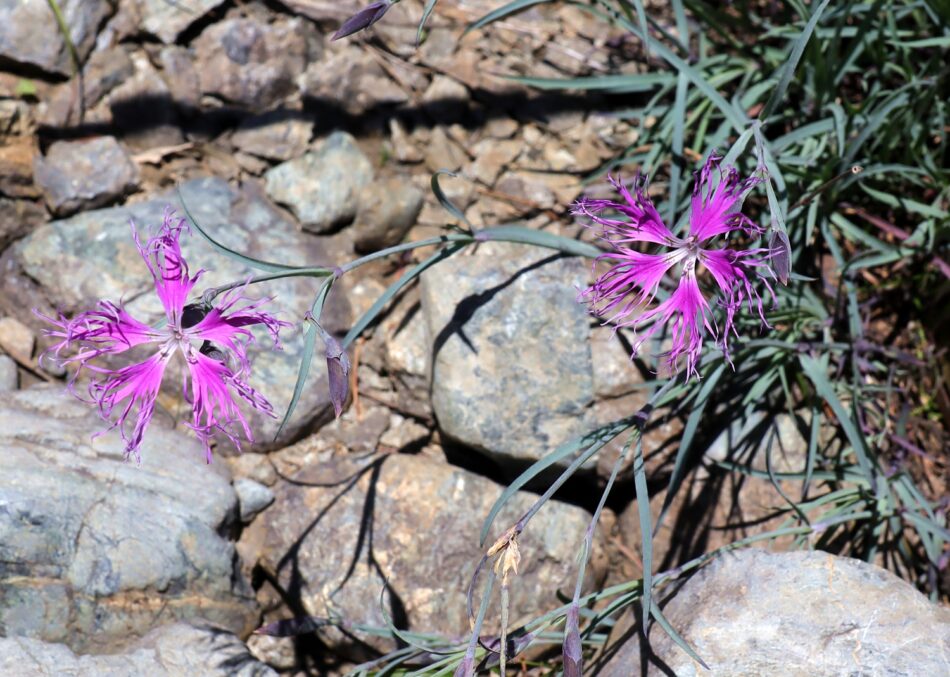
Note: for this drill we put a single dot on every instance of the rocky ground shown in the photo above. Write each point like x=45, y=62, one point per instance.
x=292, y=148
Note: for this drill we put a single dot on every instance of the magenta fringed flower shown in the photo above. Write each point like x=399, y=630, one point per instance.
x=624, y=293
x=212, y=339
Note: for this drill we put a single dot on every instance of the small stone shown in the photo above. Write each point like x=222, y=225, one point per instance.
x=253, y=497
x=404, y=434
x=78, y=175
x=492, y=157
x=255, y=467
x=16, y=167
x=799, y=614
x=16, y=339
x=322, y=188
x=254, y=64
x=9, y=379
x=167, y=20
x=499, y=126
x=497, y=322
x=29, y=32
x=387, y=210
x=278, y=135
x=403, y=148
x=443, y=153
x=105, y=70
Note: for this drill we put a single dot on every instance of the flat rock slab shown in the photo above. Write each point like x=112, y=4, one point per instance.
x=29, y=33
x=506, y=321
x=343, y=530
x=95, y=551
x=172, y=650
x=799, y=614
x=92, y=256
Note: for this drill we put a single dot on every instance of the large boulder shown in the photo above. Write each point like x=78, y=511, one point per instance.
x=800, y=614
x=96, y=551
x=507, y=321
x=356, y=537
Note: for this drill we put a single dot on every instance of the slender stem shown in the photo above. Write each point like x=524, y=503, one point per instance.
x=382, y=253
x=214, y=292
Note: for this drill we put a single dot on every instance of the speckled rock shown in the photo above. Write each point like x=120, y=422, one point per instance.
x=17, y=218
x=97, y=251
x=506, y=321
x=387, y=210
x=253, y=497
x=322, y=187
x=169, y=651
x=78, y=175
x=30, y=35
x=341, y=531
x=277, y=135
x=254, y=64
x=96, y=550
x=167, y=20
x=800, y=614
x=8, y=374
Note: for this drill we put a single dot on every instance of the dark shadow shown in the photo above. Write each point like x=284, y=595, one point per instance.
x=140, y=114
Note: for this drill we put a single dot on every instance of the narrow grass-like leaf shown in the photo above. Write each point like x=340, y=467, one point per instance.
x=539, y=238
x=502, y=12
x=788, y=71
x=444, y=200
x=227, y=251
x=675, y=636
x=646, y=528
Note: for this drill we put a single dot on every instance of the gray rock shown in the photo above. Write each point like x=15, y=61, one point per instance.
x=97, y=250
x=16, y=338
x=171, y=650
x=807, y=614
x=387, y=210
x=615, y=374
x=78, y=175
x=255, y=64
x=253, y=497
x=506, y=321
x=95, y=550
x=277, y=135
x=17, y=218
x=322, y=188
x=167, y=20
x=9, y=380
x=338, y=535
x=29, y=33
x=352, y=78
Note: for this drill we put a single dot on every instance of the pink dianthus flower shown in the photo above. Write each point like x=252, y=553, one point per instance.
x=622, y=294
x=212, y=339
